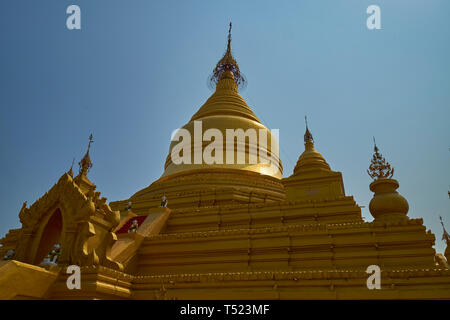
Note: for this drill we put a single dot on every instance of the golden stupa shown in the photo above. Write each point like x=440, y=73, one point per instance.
x=224, y=231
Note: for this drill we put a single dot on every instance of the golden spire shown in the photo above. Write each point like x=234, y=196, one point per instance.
x=379, y=168
x=70, y=172
x=229, y=39
x=308, y=136
x=228, y=63
x=86, y=163
x=445, y=235
x=310, y=160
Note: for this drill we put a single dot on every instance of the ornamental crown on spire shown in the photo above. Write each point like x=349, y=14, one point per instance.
x=228, y=63
x=379, y=168
x=85, y=164
x=308, y=137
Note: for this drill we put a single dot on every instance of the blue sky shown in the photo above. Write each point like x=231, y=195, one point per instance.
x=138, y=69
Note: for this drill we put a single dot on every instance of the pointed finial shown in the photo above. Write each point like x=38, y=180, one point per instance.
x=86, y=163
x=308, y=136
x=375, y=148
x=91, y=139
x=445, y=235
x=379, y=167
x=227, y=64
x=229, y=35
x=70, y=172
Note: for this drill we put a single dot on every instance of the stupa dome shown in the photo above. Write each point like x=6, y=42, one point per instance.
x=223, y=155
x=227, y=110
x=310, y=160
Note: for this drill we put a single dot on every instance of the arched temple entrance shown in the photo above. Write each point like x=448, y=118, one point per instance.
x=50, y=235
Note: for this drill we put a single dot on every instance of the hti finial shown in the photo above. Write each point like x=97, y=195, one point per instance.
x=227, y=64
x=379, y=167
x=308, y=136
x=70, y=172
x=86, y=163
x=229, y=34
x=375, y=148
x=91, y=139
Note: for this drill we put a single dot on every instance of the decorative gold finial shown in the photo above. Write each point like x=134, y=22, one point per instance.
x=308, y=136
x=379, y=168
x=91, y=137
x=445, y=235
x=229, y=37
x=70, y=172
x=228, y=63
x=86, y=163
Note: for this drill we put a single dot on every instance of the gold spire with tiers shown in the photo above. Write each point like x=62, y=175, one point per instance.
x=225, y=109
x=312, y=178
x=226, y=183
x=310, y=160
x=85, y=165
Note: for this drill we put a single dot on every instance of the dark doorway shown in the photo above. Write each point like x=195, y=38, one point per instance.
x=50, y=236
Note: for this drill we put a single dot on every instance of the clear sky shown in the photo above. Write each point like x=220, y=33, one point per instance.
x=138, y=69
